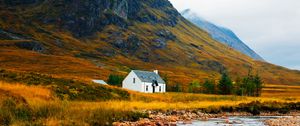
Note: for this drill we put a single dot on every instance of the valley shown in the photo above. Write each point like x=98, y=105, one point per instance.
x=51, y=50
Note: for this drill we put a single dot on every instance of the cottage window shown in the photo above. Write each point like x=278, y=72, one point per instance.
x=133, y=80
x=147, y=88
x=159, y=88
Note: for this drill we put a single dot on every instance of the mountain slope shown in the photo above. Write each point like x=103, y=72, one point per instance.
x=221, y=34
x=91, y=39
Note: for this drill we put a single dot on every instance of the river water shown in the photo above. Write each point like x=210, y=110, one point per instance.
x=234, y=121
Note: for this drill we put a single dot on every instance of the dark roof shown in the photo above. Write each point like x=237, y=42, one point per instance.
x=146, y=76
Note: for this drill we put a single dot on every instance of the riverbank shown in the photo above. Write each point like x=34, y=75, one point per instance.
x=172, y=118
x=286, y=121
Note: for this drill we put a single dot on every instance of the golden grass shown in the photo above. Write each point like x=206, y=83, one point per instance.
x=281, y=91
x=36, y=95
x=32, y=94
x=78, y=112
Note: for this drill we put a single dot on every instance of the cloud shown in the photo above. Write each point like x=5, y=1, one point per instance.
x=270, y=27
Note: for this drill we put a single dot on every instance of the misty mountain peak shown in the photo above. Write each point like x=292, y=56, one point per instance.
x=221, y=34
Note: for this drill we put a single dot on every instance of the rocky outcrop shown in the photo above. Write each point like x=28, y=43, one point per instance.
x=166, y=34
x=23, y=41
x=32, y=45
x=120, y=8
x=18, y=2
x=211, y=65
x=163, y=37
x=160, y=43
x=7, y=35
x=84, y=18
x=127, y=45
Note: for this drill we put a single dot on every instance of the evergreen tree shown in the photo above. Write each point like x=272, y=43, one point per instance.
x=258, y=85
x=209, y=87
x=249, y=85
x=239, y=87
x=115, y=80
x=225, y=84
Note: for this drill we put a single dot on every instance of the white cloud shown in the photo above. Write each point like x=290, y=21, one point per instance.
x=270, y=27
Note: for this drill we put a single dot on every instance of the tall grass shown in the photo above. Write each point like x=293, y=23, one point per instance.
x=66, y=88
x=37, y=105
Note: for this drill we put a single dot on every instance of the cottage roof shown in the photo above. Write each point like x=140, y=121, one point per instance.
x=146, y=76
x=100, y=82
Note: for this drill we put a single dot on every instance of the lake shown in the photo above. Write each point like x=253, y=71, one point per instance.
x=234, y=121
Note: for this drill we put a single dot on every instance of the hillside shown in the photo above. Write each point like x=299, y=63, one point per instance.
x=221, y=34
x=91, y=39
x=36, y=99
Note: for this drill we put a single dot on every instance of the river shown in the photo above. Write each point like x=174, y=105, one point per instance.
x=234, y=121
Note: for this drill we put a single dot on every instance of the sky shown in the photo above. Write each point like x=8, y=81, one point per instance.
x=270, y=27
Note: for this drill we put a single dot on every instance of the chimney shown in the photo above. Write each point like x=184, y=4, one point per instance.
x=155, y=71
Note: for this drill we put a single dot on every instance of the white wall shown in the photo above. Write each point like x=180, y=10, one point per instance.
x=128, y=83
x=150, y=88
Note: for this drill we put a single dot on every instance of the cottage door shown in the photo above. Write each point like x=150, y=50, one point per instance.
x=154, y=84
x=153, y=87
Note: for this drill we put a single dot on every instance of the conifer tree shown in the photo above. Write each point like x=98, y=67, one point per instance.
x=225, y=85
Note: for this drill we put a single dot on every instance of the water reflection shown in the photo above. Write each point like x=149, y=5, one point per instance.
x=233, y=121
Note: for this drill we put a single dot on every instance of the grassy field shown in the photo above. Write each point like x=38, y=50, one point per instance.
x=22, y=104
x=276, y=90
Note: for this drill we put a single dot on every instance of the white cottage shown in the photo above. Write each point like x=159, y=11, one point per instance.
x=144, y=81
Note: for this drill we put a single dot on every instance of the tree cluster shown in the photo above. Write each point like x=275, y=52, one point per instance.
x=250, y=85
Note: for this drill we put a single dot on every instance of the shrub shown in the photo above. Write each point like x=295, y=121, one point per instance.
x=47, y=111
x=22, y=113
x=195, y=87
x=175, y=88
x=5, y=117
x=209, y=87
x=115, y=80
x=11, y=109
x=104, y=116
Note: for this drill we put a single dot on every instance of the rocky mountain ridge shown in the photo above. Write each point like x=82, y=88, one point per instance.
x=221, y=34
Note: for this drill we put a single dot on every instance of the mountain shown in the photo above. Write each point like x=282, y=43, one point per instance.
x=92, y=39
x=221, y=34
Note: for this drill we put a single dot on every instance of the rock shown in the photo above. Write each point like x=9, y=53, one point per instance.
x=85, y=17
x=212, y=65
x=19, y=2
x=187, y=122
x=106, y=51
x=164, y=37
x=120, y=8
x=133, y=43
x=160, y=4
x=59, y=43
x=8, y=35
x=32, y=45
x=160, y=43
x=130, y=45
x=165, y=34
x=290, y=121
